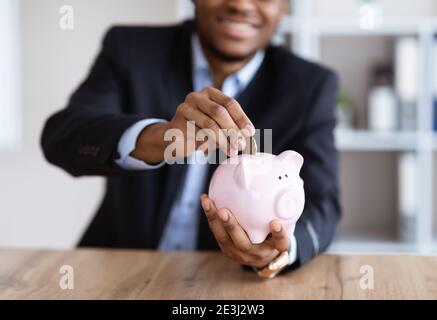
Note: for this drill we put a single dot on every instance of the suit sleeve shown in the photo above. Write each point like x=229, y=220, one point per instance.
x=316, y=227
x=82, y=138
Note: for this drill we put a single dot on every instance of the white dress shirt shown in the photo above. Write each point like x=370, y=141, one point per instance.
x=181, y=230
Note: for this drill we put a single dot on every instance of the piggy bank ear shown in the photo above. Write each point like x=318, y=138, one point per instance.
x=244, y=172
x=292, y=157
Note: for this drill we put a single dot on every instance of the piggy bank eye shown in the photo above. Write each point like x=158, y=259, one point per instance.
x=286, y=175
x=280, y=178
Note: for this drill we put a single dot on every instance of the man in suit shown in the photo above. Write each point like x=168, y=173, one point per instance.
x=221, y=72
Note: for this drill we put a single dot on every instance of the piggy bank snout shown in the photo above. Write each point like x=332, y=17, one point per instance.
x=288, y=206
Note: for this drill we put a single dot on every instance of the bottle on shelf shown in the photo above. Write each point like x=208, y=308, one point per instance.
x=407, y=203
x=383, y=112
x=407, y=79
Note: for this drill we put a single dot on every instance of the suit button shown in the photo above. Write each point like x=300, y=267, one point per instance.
x=94, y=151
x=83, y=149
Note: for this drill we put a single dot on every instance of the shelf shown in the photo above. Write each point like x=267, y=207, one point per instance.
x=380, y=242
x=370, y=247
x=379, y=247
x=350, y=26
x=383, y=244
x=364, y=140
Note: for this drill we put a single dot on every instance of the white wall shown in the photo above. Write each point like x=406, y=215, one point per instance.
x=40, y=205
x=9, y=75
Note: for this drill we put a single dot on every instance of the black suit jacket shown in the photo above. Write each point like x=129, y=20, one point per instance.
x=145, y=72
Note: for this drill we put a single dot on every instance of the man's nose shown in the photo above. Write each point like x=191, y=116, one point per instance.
x=241, y=6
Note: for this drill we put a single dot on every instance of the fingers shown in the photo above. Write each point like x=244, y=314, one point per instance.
x=211, y=109
x=214, y=222
x=209, y=114
x=280, y=239
x=204, y=122
x=256, y=260
x=217, y=112
x=234, y=109
x=234, y=241
x=265, y=260
x=223, y=119
x=239, y=237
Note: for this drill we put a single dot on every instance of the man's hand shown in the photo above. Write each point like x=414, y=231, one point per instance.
x=235, y=243
x=209, y=109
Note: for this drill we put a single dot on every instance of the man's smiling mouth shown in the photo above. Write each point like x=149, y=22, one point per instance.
x=238, y=29
x=238, y=25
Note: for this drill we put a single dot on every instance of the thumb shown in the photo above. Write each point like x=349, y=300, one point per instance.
x=279, y=236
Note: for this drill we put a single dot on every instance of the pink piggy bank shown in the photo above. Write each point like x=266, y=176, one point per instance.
x=260, y=188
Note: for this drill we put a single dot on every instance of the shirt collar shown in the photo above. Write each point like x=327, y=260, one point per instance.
x=243, y=76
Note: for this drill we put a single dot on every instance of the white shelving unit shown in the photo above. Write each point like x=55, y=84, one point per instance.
x=364, y=140
x=307, y=31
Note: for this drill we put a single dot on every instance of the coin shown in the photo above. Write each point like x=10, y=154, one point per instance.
x=251, y=146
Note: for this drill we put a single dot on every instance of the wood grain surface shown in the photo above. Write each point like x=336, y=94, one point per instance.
x=129, y=274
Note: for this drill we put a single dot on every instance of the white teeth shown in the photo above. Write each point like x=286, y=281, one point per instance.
x=238, y=25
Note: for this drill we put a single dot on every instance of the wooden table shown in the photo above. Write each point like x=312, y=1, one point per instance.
x=109, y=274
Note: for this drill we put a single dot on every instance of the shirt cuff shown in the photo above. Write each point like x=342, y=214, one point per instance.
x=292, y=252
x=128, y=143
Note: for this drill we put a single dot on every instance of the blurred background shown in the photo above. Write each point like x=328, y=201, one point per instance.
x=385, y=52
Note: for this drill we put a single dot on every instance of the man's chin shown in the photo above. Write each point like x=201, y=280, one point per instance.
x=232, y=55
